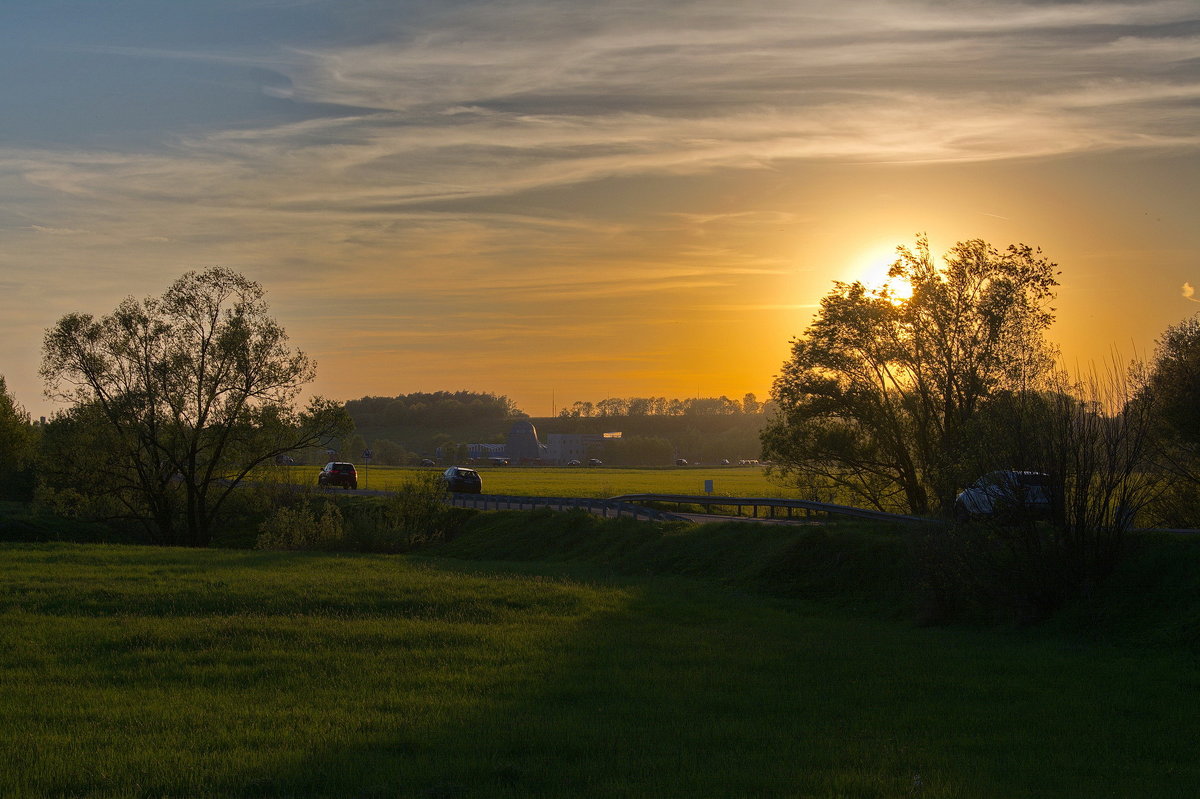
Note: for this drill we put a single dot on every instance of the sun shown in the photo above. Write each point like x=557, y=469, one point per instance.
x=870, y=267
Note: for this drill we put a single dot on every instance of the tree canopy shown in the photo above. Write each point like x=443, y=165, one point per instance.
x=662, y=406
x=1174, y=379
x=17, y=445
x=879, y=390
x=177, y=398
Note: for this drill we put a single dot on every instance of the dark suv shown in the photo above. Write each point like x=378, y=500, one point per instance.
x=462, y=481
x=1005, y=495
x=338, y=474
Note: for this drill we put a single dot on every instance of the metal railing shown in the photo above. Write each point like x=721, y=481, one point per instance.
x=772, y=504
x=607, y=508
x=632, y=505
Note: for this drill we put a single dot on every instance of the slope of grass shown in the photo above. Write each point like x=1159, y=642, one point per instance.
x=862, y=563
x=131, y=671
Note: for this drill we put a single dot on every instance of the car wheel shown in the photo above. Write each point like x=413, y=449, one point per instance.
x=353, y=486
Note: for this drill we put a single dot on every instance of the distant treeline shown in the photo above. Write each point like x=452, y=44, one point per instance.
x=410, y=427
x=661, y=406
x=437, y=410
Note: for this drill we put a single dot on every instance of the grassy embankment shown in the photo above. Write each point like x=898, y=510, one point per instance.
x=532, y=657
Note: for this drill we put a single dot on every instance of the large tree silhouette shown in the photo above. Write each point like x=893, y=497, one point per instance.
x=879, y=390
x=177, y=398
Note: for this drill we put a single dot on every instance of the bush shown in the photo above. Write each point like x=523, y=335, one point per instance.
x=991, y=572
x=1178, y=506
x=298, y=527
x=414, y=515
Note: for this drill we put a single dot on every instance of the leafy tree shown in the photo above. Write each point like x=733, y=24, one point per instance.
x=612, y=406
x=879, y=390
x=1173, y=380
x=391, y=453
x=351, y=448
x=1171, y=390
x=17, y=444
x=639, y=451
x=181, y=396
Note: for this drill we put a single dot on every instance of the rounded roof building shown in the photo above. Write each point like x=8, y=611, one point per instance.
x=522, y=443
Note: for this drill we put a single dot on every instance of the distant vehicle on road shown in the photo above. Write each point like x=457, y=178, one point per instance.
x=1007, y=495
x=681, y=462
x=595, y=462
x=574, y=463
x=338, y=473
x=427, y=462
x=462, y=481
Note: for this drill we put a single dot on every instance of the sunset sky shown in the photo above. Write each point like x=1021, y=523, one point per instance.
x=587, y=199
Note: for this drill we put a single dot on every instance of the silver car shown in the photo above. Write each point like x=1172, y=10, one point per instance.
x=1006, y=494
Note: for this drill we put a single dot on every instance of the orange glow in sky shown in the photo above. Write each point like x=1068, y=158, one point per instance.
x=569, y=201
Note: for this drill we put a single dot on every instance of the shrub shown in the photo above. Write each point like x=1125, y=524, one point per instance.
x=414, y=515
x=993, y=572
x=298, y=527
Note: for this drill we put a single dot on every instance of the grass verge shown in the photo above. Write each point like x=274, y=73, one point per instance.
x=131, y=671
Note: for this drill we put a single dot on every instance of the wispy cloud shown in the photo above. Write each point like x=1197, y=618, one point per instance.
x=56, y=231
x=1189, y=292
x=450, y=157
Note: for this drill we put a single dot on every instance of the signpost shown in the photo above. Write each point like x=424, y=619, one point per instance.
x=367, y=455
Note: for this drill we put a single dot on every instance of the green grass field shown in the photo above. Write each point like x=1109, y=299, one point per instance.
x=170, y=673
x=603, y=481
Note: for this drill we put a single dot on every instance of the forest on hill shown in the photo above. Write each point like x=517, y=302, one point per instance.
x=408, y=427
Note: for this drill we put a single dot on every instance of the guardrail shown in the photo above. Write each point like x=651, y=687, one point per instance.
x=601, y=507
x=626, y=505
x=629, y=505
x=708, y=501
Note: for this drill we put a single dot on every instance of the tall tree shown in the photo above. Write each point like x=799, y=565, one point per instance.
x=1170, y=388
x=1173, y=381
x=187, y=393
x=879, y=389
x=17, y=443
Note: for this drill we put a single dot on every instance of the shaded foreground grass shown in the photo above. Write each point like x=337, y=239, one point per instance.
x=144, y=672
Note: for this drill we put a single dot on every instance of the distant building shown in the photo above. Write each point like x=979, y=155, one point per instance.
x=522, y=442
x=480, y=451
x=565, y=447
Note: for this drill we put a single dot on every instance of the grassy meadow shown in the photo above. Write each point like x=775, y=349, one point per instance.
x=585, y=481
x=132, y=671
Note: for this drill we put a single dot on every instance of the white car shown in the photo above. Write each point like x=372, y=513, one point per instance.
x=1005, y=494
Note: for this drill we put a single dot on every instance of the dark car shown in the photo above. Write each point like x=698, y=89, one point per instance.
x=1006, y=494
x=337, y=473
x=462, y=481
